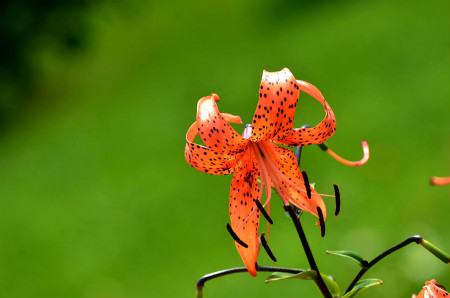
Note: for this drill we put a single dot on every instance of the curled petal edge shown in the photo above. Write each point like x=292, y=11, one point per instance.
x=319, y=133
x=222, y=163
x=340, y=159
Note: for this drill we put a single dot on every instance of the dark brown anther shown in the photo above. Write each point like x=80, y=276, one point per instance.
x=263, y=211
x=307, y=186
x=337, y=195
x=235, y=237
x=266, y=247
x=321, y=221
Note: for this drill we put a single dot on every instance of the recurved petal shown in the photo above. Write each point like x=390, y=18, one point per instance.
x=205, y=159
x=278, y=94
x=244, y=214
x=214, y=129
x=312, y=135
x=293, y=185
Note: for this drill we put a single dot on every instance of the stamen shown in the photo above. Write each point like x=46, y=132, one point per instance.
x=266, y=247
x=267, y=223
x=326, y=195
x=260, y=151
x=321, y=221
x=337, y=194
x=263, y=211
x=307, y=186
x=362, y=161
x=235, y=237
x=265, y=182
x=278, y=176
x=276, y=179
x=289, y=183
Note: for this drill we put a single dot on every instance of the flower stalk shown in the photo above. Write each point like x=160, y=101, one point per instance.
x=304, y=241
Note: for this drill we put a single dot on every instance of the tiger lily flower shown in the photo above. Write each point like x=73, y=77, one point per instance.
x=432, y=290
x=255, y=158
x=440, y=180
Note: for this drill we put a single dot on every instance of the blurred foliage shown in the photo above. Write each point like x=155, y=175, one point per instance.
x=96, y=198
x=27, y=26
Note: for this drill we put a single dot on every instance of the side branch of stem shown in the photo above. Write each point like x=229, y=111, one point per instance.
x=205, y=278
x=413, y=239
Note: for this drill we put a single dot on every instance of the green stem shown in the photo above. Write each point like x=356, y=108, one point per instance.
x=312, y=262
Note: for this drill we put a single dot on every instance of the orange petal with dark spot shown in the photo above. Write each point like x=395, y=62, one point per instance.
x=206, y=160
x=432, y=290
x=294, y=184
x=278, y=94
x=214, y=129
x=244, y=214
x=319, y=133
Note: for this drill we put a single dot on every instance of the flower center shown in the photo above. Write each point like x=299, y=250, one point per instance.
x=271, y=176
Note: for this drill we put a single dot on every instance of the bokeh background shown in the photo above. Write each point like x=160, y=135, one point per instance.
x=96, y=199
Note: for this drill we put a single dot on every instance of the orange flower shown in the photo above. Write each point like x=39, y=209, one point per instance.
x=440, y=180
x=255, y=157
x=432, y=290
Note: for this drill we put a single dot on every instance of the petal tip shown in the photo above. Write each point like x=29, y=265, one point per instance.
x=252, y=270
x=215, y=96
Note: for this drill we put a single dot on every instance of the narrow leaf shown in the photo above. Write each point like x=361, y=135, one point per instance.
x=307, y=275
x=332, y=285
x=349, y=254
x=363, y=285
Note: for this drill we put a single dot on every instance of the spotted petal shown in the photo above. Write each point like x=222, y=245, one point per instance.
x=244, y=214
x=205, y=159
x=432, y=290
x=293, y=187
x=214, y=129
x=278, y=94
x=317, y=134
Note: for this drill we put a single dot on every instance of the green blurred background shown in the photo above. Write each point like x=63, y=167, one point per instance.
x=96, y=199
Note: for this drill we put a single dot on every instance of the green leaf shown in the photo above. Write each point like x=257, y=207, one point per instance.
x=332, y=285
x=307, y=275
x=363, y=285
x=349, y=254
